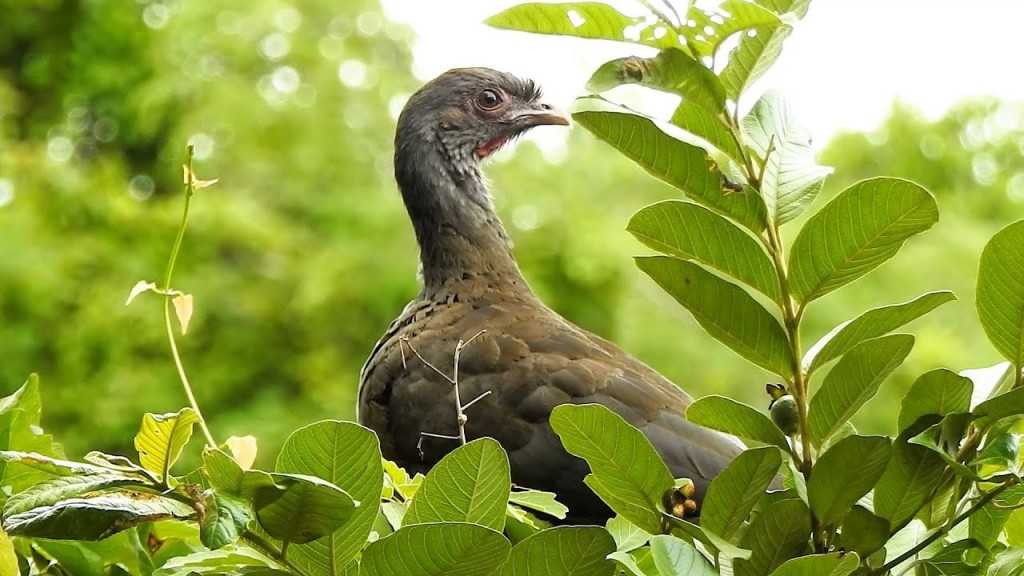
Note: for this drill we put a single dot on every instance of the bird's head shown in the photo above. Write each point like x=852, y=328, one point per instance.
x=472, y=112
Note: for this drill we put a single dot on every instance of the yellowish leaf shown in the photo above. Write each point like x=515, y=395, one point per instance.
x=183, y=308
x=243, y=450
x=196, y=183
x=140, y=287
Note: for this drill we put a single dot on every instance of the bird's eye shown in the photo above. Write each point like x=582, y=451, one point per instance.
x=488, y=100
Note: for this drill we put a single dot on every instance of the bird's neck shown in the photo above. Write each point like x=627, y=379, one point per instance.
x=461, y=238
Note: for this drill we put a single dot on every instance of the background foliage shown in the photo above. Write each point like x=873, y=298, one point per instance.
x=302, y=254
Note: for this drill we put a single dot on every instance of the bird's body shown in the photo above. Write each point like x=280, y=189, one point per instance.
x=529, y=359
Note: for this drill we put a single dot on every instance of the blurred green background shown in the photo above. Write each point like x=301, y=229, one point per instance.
x=302, y=254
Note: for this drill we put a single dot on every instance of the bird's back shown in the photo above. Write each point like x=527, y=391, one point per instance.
x=528, y=361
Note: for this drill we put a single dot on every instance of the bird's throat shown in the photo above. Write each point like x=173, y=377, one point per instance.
x=491, y=146
x=459, y=235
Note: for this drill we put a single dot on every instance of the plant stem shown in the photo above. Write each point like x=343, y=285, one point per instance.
x=260, y=543
x=189, y=191
x=945, y=530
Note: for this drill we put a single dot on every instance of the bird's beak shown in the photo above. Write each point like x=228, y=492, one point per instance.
x=541, y=114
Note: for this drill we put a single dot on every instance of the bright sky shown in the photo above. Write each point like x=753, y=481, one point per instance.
x=840, y=69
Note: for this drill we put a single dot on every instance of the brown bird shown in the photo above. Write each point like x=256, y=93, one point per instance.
x=530, y=359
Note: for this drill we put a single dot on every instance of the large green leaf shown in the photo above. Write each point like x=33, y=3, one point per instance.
x=752, y=57
x=863, y=531
x=672, y=70
x=709, y=126
x=725, y=310
x=562, y=551
x=780, y=531
x=691, y=232
x=224, y=521
x=734, y=492
x=626, y=471
x=448, y=549
x=962, y=558
x=348, y=456
x=844, y=473
x=871, y=324
x=937, y=392
x=470, y=484
x=8, y=558
x=834, y=564
x=733, y=417
x=684, y=166
x=791, y=176
x=676, y=557
x=239, y=561
x=96, y=517
x=627, y=535
x=861, y=228
x=161, y=439
x=705, y=30
x=50, y=492
x=986, y=525
x=853, y=381
x=584, y=20
x=997, y=407
x=299, y=508
x=1000, y=295
x=20, y=433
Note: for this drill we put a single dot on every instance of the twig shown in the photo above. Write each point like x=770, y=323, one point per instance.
x=189, y=192
x=460, y=409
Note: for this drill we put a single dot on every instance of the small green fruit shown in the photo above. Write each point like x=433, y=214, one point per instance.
x=784, y=414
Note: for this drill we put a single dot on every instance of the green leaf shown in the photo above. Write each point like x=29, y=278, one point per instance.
x=1009, y=562
x=1000, y=294
x=672, y=70
x=986, y=525
x=939, y=392
x=871, y=324
x=708, y=126
x=449, y=549
x=301, y=508
x=791, y=178
x=725, y=310
x=675, y=557
x=95, y=518
x=684, y=166
x=470, y=484
x=20, y=432
x=779, y=532
x=51, y=491
x=844, y=473
x=540, y=501
x=963, y=558
x=944, y=439
x=562, y=551
x=225, y=519
x=627, y=535
x=706, y=30
x=584, y=20
x=732, y=417
x=834, y=564
x=752, y=57
x=348, y=456
x=161, y=439
x=856, y=232
x=222, y=471
x=863, y=532
x=853, y=381
x=734, y=492
x=691, y=232
x=626, y=472
x=1009, y=404
x=711, y=541
x=238, y=561
x=8, y=559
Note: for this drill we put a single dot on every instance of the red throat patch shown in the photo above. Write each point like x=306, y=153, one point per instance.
x=489, y=148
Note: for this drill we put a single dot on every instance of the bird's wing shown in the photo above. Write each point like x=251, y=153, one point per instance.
x=528, y=361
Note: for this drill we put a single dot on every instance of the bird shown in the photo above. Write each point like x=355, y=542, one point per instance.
x=519, y=359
